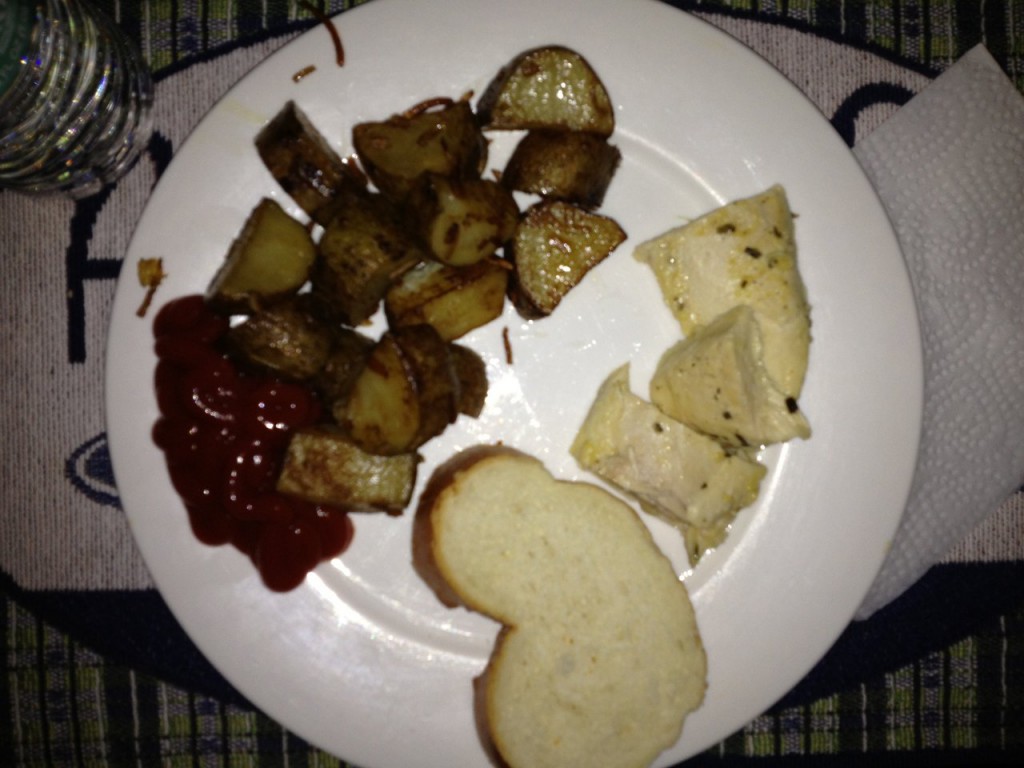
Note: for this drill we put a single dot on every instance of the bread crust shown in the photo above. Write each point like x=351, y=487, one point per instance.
x=427, y=568
x=423, y=560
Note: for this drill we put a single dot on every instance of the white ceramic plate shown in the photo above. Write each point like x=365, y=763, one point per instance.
x=362, y=660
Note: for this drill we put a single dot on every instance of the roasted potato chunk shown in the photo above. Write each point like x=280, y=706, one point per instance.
x=345, y=360
x=463, y=220
x=555, y=245
x=364, y=248
x=471, y=371
x=269, y=260
x=406, y=393
x=563, y=165
x=285, y=340
x=549, y=87
x=396, y=152
x=303, y=163
x=454, y=300
x=323, y=466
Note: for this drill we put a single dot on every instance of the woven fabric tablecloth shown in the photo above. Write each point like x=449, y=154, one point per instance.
x=96, y=670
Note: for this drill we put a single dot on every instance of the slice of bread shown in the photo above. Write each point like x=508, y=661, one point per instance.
x=600, y=659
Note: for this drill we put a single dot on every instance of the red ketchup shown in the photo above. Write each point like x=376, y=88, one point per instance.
x=224, y=434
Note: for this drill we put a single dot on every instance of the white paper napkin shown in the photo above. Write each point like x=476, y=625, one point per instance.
x=949, y=167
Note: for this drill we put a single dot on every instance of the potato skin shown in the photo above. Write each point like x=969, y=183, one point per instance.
x=555, y=246
x=345, y=360
x=575, y=166
x=285, y=340
x=471, y=372
x=303, y=163
x=365, y=246
x=406, y=393
x=462, y=220
x=397, y=151
x=551, y=87
x=323, y=466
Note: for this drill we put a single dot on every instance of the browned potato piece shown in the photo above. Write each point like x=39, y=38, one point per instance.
x=397, y=151
x=554, y=247
x=302, y=161
x=454, y=300
x=321, y=465
x=348, y=354
x=463, y=220
x=471, y=371
x=285, y=340
x=548, y=87
x=269, y=260
x=406, y=393
x=563, y=165
x=364, y=248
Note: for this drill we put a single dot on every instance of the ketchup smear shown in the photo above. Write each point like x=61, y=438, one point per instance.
x=224, y=434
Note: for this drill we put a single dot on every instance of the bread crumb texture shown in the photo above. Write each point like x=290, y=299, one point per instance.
x=601, y=659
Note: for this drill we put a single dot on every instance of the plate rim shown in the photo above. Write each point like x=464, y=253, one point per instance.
x=122, y=298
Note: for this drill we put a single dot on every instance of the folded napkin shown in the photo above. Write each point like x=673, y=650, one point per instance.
x=949, y=168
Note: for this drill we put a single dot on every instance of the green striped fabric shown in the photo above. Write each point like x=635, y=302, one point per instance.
x=929, y=33
x=86, y=710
